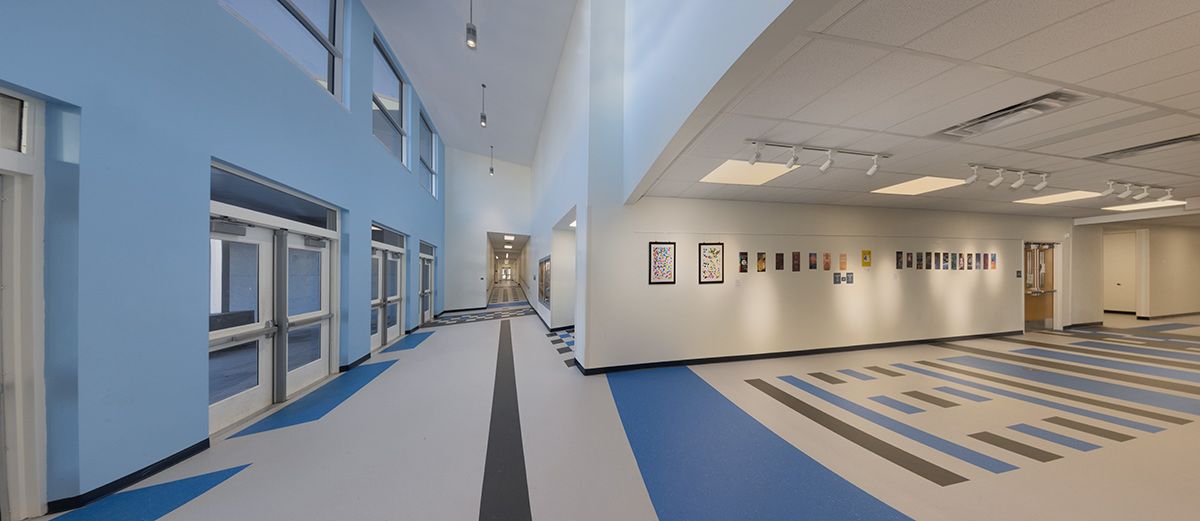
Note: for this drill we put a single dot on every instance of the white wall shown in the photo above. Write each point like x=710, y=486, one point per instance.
x=632, y=322
x=562, y=277
x=1120, y=272
x=1085, y=283
x=1174, y=278
x=477, y=203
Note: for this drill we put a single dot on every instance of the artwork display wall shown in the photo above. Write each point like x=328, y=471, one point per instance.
x=662, y=263
x=712, y=262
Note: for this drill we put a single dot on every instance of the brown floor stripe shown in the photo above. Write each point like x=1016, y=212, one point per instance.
x=929, y=398
x=1090, y=429
x=884, y=371
x=827, y=378
x=1015, y=446
x=1111, y=354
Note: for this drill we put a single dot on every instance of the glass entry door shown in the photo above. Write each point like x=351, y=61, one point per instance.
x=387, y=288
x=241, y=325
x=426, y=289
x=308, y=311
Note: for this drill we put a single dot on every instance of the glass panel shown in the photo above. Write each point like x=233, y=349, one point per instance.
x=11, y=125
x=239, y=191
x=426, y=249
x=427, y=178
x=375, y=321
x=374, y=278
x=386, y=236
x=426, y=143
x=232, y=370
x=233, y=284
x=317, y=12
x=385, y=83
x=393, y=315
x=386, y=133
x=304, y=281
x=393, y=270
x=304, y=346
x=287, y=33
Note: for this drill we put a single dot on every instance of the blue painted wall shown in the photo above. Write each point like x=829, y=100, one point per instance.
x=145, y=94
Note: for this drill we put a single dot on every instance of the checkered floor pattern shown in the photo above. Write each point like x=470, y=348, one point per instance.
x=478, y=317
x=564, y=341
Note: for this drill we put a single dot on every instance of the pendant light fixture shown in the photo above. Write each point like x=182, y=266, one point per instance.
x=492, y=160
x=483, y=107
x=472, y=33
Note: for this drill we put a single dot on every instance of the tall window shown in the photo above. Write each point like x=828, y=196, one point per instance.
x=428, y=169
x=303, y=29
x=387, y=118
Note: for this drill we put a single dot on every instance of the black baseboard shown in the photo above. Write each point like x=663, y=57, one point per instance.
x=71, y=503
x=411, y=330
x=461, y=310
x=563, y=328
x=354, y=364
x=1084, y=325
x=782, y=354
x=1143, y=318
x=1120, y=312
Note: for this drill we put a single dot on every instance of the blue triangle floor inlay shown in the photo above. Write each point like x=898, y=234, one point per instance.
x=150, y=503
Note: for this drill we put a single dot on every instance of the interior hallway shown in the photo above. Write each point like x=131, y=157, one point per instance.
x=1094, y=423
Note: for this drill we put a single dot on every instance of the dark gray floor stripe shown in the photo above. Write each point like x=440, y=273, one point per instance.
x=827, y=378
x=884, y=371
x=562, y=350
x=1090, y=371
x=929, y=398
x=1059, y=394
x=1111, y=354
x=1140, y=342
x=1090, y=429
x=505, y=493
x=1142, y=332
x=881, y=448
x=1015, y=446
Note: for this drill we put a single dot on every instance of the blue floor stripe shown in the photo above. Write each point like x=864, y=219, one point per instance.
x=1035, y=400
x=1152, y=351
x=1172, y=341
x=1165, y=372
x=150, y=503
x=980, y=460
x=409, y=342
x=897, y=404
x=1162, y=328
x=314, y=405
x=1054, y=437
x=856, y=374
x=962, y=394
x=1111, y=390
x=701, y=457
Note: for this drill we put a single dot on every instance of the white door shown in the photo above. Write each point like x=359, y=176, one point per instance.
x=1120, y=272
x=387, y=302
x=308, y=311
x=426, y=289
x=241, y=325
x=377, y=301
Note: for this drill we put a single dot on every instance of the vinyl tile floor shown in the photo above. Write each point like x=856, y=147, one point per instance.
x=1097, y=424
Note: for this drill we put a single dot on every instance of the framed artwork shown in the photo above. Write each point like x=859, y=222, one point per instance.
x=908, y=260
x=849, y=278
x=978, y=261
x=795, y=261
x=744, y=262
x=937, y=260
x=920, y=261
x=970, y=261
x=954, y=261
x=662, y=263
x=837, y=278
x=899, y=260
x=812, y=261
x=993, y=261
x=712, y=262
x=827, y=261
x=961, y=261
x=866, y=254
x=841, y=262
x=762, y=261
x=928, y=260
x=778, y=262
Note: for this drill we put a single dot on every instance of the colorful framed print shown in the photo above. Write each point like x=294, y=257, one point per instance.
x=743, y=262
x=899, y=260
x=762, y=261
x=993, y=261
x=778, y=262
x=866, y=254
x=970, y=261
x=908, y=263
x=849, y=278
x=841, y=262
x=920, y=261
x=954, y=261
x=961, y=261
x=837, y=278
x=828, y=262
x=978, y=261
x=928, y=260
x=662, y=263
x=795, y=261
x=812, y=261
x=712, y=262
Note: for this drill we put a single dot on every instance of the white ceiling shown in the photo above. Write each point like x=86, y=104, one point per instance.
x=520, y=42
x=498, y=242
x=883, y=75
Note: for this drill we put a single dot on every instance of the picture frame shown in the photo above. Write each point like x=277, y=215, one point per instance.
x=778, y=262
x=743, y=262
x=662, y=262
x=711, y=262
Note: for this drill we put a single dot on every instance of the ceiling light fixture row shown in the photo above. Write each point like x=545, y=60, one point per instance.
x=1000, y=171
x=829, y=153
x=1130, y=191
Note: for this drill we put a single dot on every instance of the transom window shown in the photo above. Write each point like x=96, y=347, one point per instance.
x=12, y=124
x=305, y=30
x=387, y=118
x=428, y=169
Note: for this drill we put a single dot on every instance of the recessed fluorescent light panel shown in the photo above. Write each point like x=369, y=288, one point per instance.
x=1060, y=198
x=919, y=186
x=735, y=172
x=508, y=246
x=510, y=237
x=1144, y=206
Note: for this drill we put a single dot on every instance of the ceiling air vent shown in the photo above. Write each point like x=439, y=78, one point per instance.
x=1023, y=111
x=1148, y=148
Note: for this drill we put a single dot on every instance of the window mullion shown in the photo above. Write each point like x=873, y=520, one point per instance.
x=387, y=114
x=316, y=32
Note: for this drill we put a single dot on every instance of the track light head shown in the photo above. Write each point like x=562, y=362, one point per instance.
x=792, y=160
x=1109, y=191
x=1167, y=197
x=491, y=170
x=472, y=35
x=483, y=105
x=1020, y=181
x=482, y=119
x=757, y=153
x=1042, y=185
x=874, y=165
x=999, y=178
x=974, y=175
x=828, y=162
x=1145, y=193
x=1128, y=192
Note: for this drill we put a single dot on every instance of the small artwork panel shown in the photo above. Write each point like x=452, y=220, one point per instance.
x=993, y=261
x=908, y=262
x=849, y=278
x=812, y=261
x=762, y=261
x=866, y=261
x=744, y=262
x=662, y=263
x=962, y=261
x=795, y=261
x=920, y=261
x=954, y=261
x=970, y=261
x=937, y=260
x=979, y=261
x=828, y=261
x=842, y=262
x=899, y=260
x=712, y=262
x=837, y=278
x=778, y=262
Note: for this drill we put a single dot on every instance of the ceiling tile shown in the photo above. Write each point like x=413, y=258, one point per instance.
x=838, y=138
x=833, y=14
x=946, y=87
x=896, y=22
x=1188, y=102
x=1046, y=125
x=891, y=75
x=974, y=105
x=793, y=132
x=1167, y=89
x=1138, y=47
x=701, y=190
x=1087, y=128
x=728, y=135
x=1127, y=136
x=665, y=188
x=691, y=168
x=1086, y=30
x=996, y=23
x=796, y=83
x=1148, y=72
